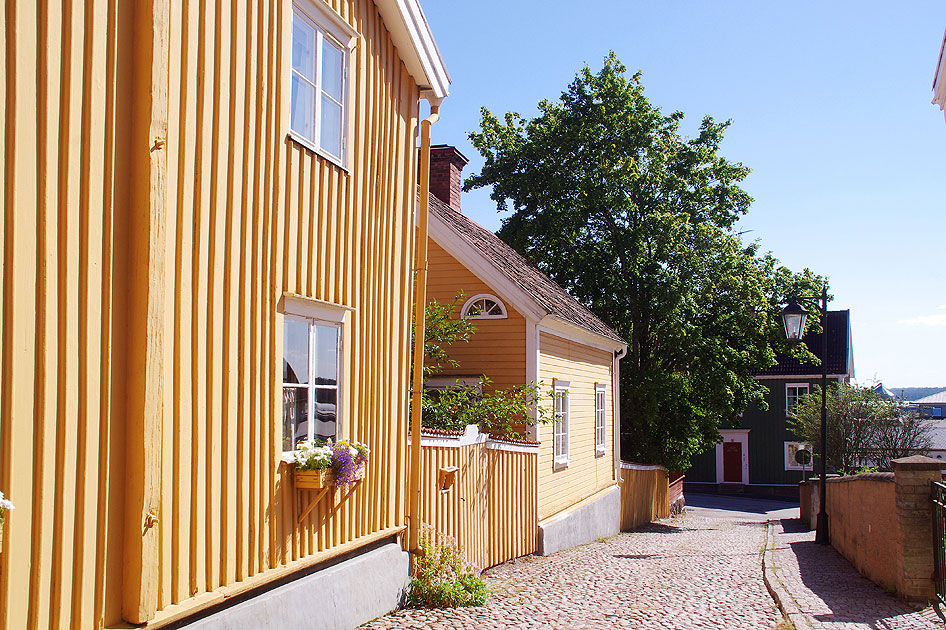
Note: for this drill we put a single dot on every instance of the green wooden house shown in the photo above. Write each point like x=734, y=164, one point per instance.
x=757, y=455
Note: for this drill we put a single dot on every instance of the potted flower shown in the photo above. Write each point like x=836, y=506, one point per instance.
x=5, y=504
x=348, y=462
x=313, y=464
x=319, y=465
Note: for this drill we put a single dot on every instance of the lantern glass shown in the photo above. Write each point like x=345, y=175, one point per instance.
x=794, y=318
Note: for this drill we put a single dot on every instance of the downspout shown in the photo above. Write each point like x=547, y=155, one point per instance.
x=420, y=301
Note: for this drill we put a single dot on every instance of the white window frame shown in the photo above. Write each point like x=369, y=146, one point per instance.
x=327, y=24
x=328, y=315
x=465, y=311
x=788, y=407
x=790, y=449
x=601, y=419
x=560, y=423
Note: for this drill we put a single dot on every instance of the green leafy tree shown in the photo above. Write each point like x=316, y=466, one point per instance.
x=864, y=429
x=442, y=329
x=637, y=222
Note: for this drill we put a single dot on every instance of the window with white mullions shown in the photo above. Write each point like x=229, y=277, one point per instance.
x=310, y=380
x=793, y=393
x=561, y=424
x=318, y=85
x=483, y=306
x=600, y=418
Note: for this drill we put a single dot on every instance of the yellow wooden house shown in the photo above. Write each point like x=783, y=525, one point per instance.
x=529, y=329
x=207, y=254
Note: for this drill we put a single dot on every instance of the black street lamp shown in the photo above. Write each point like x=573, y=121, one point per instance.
x=793, y=319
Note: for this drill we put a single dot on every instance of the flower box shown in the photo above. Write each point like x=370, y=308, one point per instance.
x=314, y=479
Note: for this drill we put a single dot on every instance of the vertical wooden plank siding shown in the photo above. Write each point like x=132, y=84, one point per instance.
x=498, y=347
x=587, y=472
x=491, y=509
x=97, y=339
x=644, y=495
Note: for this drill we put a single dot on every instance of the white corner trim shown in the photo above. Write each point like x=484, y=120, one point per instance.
x=560, y=328
x=328, y=19
x=477, y=264
x=616, y=410
x=414, y=41
x=294, y=304
x=471, y=435
x=631, y=466
x=496, y=445
x=733, y=435
x=532, y=373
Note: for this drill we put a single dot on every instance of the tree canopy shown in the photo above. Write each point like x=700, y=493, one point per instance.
x=638, y=223
x=864, y=429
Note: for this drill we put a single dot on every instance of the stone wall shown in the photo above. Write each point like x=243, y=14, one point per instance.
x=881, y=522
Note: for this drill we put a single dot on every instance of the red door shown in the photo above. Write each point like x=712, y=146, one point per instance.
x=732, y=462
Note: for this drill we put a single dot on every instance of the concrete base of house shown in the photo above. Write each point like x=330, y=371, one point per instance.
x=591, y=519
x=345, y=595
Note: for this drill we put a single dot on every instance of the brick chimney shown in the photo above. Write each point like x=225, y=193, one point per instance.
x=446, y=164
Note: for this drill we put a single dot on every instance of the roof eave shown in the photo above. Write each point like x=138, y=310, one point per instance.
x=414, y=40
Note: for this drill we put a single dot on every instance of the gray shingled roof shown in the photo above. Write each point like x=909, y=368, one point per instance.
x=520, y=271
x=937, y=398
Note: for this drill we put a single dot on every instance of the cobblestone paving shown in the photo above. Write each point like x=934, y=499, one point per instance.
x=832, y=594
x=683, y=573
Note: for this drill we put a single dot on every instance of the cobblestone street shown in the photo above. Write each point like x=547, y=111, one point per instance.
x=700, y=570
x=830, y=594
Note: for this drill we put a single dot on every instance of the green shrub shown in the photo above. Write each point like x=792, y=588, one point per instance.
x=442, y=578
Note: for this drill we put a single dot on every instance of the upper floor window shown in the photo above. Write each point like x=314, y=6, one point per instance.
x=483, y=306
x=600, y=419
x=319, y=79
x=560, y=414
x=793, y=393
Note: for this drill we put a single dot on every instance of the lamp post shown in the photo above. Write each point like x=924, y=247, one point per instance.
x=793, y=319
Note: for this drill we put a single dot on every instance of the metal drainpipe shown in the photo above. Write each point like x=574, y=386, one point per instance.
x=420, y=300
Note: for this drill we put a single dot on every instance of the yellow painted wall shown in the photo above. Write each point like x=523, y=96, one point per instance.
x=108, y=381
x=586, y=473
x=498, y=347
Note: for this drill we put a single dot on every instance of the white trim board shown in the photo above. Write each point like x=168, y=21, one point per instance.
x=733, y=435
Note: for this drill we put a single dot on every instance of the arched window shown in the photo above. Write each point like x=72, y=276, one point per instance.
x=483, y=306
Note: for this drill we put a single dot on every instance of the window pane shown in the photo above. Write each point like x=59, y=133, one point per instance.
x=331, y=128
x=303, y=48
x=302, y=106
x=295, y=416
x=333, y=68
x=295, y=351
x=326, y=355
x=326, y=409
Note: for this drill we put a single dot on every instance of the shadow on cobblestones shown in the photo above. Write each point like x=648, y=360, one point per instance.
x=847, y=596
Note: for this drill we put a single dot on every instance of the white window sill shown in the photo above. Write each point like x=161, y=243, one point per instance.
x=560, y=464
x=307, y=144
x=600, y=451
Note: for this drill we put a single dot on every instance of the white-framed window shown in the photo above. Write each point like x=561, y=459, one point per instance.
x=560, y=414
x=483, y=306
x=454, y=382
x=319, y=85
x=791, y=449
x=936, y=412
x=793, y=392
x=313, y=367
x=601, y=416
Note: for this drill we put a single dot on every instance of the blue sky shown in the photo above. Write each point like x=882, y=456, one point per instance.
x=830, y=105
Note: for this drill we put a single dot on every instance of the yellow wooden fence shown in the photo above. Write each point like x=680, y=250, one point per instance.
x=482, y=492
x=644, y=494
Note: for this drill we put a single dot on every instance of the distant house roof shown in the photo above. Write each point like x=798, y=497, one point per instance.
x=883, y=391
x=938, y=398
x=840, y=353
x=552, y=298
x=938, y=436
